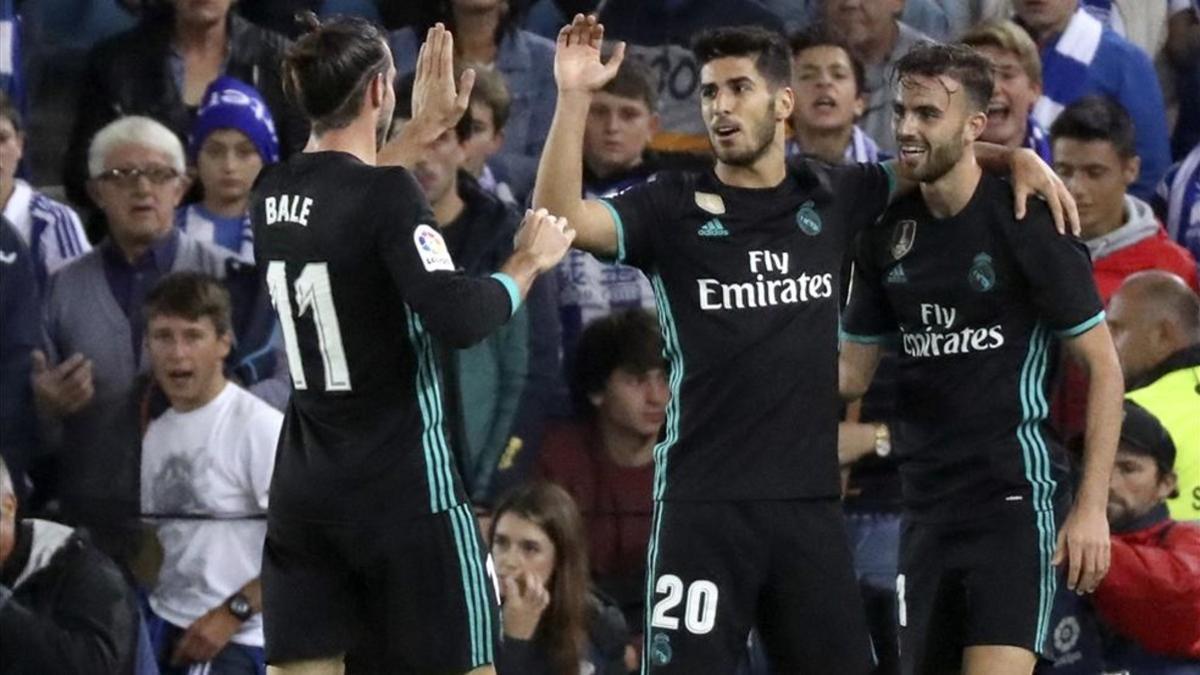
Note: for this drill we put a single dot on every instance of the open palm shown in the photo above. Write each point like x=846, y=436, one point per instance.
x=577, y=64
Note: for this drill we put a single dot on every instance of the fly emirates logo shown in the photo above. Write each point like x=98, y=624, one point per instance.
x=772, y=286
x=941, y=338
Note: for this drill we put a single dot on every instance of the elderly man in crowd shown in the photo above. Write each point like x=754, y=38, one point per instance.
x=84, y=386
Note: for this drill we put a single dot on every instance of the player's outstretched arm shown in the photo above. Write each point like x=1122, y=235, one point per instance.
x=856, y=368
x=579, y=73
x=1083, y=542
x=437, y=103
x=1030, y=176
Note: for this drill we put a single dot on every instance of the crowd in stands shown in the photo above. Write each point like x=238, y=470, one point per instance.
x=142, y=373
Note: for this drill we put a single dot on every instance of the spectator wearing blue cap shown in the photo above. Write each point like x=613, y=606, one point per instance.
x=231, y=140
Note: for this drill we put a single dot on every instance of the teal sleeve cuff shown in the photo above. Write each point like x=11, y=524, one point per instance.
x=514, y=292
x=1083, y=327
x=863, y=339
x=620, y=230
x=890, y=170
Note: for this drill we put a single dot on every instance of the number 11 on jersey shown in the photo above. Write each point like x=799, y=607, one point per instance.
x=313, y=292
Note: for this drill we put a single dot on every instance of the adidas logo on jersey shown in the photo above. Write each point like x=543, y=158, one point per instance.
x=713, y=228
x=897, y=275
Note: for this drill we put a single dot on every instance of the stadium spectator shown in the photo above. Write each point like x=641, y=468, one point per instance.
x=488, y=110
x=486, y=382
x=606, y=460
x=622, y=119
x=488, y=34
x=64, y=606
x=232, y=138
x=877, y=38
x=161, y=69
x=1144, y=24
x=1095, y=154
x=1155, y=322
x=1080, y=57
x=51, y=230
x=85, y=385
x=1150, y=598
x=20, y=334
x=553, y=623
x=1178, y=202
x=828, y=82
x=206, y=470
x=1183, y=53
x=1017, y=70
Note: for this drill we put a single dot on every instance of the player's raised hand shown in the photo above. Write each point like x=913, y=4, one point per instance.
x=436, y=99
x=1030, y=176
x=577, y=64
x=544, y=238
x=525, y=600
x=1084, y=546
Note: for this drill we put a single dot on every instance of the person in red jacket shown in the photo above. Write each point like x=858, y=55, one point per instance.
x=1150, y=598
x=1095, y=155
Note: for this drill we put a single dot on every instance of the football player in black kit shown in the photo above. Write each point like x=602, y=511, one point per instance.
x=373, y=559
x=744, y=259
x=979, y=304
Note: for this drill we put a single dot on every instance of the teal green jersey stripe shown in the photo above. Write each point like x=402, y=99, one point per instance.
x=445, y=465
x=620, y=225
x=1083, y=327
x=481, y=582
x=1042, y=407
x=514, y=291
x=1036, y=459
x=470, y=589
x=890, y=169
x=863, y=339
x=674, y=355
x=431, y=475
x=651, y=578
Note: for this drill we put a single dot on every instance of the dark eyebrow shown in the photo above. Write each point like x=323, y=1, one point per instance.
x=739, y=80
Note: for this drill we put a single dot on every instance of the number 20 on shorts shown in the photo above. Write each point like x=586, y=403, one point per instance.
x=699, y=607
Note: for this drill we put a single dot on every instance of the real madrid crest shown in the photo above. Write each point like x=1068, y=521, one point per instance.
x=808, y=220
x=982, y=275
x=903, y=237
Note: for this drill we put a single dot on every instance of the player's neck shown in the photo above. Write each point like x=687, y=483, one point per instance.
x=476, y=34
x=449, y=207
x=624, y=447
x=7, y=187
x=826, y=144
x=357, y=139
x=767, y=171
x=948, y=195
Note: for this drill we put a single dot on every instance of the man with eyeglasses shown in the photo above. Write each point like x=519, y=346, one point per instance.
x=85, y=382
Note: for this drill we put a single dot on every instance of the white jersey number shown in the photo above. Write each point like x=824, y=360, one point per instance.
x=313, y=292
x=699, y=612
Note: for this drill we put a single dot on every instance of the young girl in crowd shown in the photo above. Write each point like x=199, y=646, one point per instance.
x=553, y=623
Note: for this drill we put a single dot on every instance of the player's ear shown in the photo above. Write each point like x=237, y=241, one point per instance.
x=785, y=102
x=976, y=123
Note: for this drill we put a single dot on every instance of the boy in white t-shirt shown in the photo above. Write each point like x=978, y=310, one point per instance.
x=206, y=470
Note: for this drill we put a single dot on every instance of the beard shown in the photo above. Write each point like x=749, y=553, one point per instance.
x=384, y=125
x=762, y=135
x=939, y=160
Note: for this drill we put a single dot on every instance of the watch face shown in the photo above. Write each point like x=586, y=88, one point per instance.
x=240, y=607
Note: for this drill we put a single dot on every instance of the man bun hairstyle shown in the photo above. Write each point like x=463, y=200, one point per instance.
x=327, y=70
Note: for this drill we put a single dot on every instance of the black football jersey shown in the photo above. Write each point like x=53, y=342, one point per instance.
x=364, y=286
x=977, y=302
x=748, y=286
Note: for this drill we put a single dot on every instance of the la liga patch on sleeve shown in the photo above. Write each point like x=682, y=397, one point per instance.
x=431, y=248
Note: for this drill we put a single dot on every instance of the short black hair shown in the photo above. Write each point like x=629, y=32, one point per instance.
x=192, y=296
x=768, y=48
x=809, y=39
x=1097, y=118
x=404, y=107
x=635, y=80
x=628, y=340
x=956, y=61
x=327, y=70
